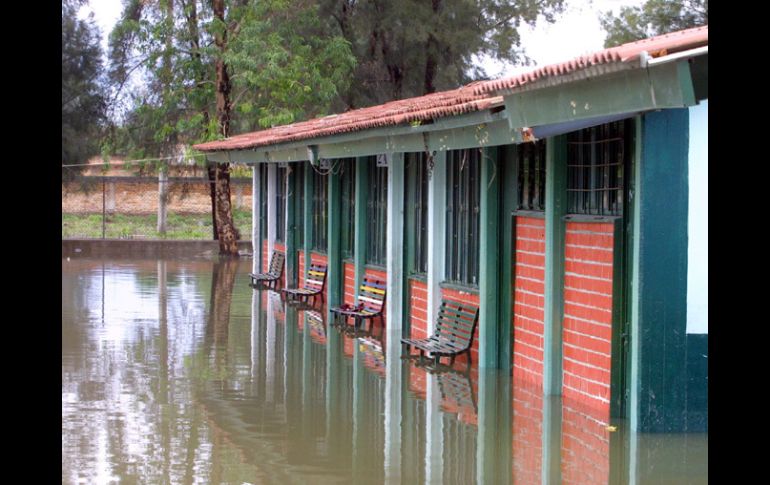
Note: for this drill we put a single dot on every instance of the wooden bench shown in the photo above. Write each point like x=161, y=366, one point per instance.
x=455, y=327
x=371, y=302
x=273, y=274
x=314, y=284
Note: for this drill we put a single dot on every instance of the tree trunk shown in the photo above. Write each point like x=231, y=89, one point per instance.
x=228, y=239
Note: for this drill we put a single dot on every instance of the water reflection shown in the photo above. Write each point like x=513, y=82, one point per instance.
x=179, y=372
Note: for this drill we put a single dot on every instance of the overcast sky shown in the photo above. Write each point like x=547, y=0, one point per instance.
x=575, y=32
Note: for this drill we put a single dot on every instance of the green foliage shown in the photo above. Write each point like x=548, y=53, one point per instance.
x=411, y=47
x=82, y=91
x=654, y=17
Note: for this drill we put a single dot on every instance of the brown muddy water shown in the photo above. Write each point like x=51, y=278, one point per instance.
x=176, y=371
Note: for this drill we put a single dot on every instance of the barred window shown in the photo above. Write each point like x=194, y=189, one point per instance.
x=320, y=211
x=376, y=211
x=347, y=173
x=280, y=204
x=596, y=158
x=263, y=199
x=531, y=158
x=462, y=217
x=417, y=205
x=300, y=178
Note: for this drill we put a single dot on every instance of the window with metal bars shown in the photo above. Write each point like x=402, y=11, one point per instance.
x=347, y=173
x=320, y=211
x=596, y=161
x=463, y=201
x=280, y=204
x=531, y=158
x=376, y=212
x=417, y=205
x=263, y=199
x=300, y=212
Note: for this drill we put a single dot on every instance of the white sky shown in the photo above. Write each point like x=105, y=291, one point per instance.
x=575, y=32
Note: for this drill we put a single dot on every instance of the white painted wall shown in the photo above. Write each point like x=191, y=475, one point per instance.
x=698, y=223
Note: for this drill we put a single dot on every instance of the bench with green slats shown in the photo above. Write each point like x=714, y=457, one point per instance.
x=455, y=327
x=274, y=272
x=371, y=302
x=314, y=284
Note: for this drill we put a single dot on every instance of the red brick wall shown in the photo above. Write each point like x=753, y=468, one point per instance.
x=265, y=256
x=527, y=432
x=349, y=292
x=473, y=299
x=528, y=298
x=418, y=308
x=587, y=329
x=585, y=445
x=300, y=265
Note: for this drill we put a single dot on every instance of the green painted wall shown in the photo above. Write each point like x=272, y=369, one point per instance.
x=659, y=320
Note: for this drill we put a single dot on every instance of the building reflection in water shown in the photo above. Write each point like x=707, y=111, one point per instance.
x=193, y=377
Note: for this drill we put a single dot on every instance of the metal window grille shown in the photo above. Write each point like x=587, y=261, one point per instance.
x=462, y=216
x=376, y=209
x=263, y=201
x=531, y=176
x=417, y=179
x=348, y=195
x=320, y=211
x=300, y=187
x=280, y=204
x=596, y=159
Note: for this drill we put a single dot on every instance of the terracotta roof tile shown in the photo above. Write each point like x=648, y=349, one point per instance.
x=476, y=96
x=654, y=46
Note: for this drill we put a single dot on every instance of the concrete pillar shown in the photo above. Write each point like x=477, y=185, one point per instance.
x=162, y=199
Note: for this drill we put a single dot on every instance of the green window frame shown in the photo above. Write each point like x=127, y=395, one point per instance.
x=463, y=199
x=376, y=211
x=347, y=173
x=416, y=205
x=280, y=204
x=531, y=158
x=596, y=162
x=320, y=211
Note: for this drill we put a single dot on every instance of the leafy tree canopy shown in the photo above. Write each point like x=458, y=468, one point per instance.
x=654, y=17
x=83, y=95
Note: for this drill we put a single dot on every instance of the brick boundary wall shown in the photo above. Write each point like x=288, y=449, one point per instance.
x=139, y=195
x=587, y=325
x=529, y=300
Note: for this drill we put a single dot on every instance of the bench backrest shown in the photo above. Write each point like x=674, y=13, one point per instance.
x=457, y=323
x=316, y=278
x=276, y=264
x=372, y=294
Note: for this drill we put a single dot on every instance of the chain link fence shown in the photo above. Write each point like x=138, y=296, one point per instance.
x=105, y=207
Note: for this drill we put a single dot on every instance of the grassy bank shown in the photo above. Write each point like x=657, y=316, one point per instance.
x=123, y=226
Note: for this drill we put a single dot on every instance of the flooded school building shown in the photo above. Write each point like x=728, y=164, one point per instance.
x=566, y=205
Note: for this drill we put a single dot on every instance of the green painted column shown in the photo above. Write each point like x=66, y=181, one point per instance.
x=335, y=275
x=659, y=282
x=359, y=241
x=489, y=289
x=509, y=199
x=551, y=445
x=555, y=209
x=291, y=226
x=308, y=212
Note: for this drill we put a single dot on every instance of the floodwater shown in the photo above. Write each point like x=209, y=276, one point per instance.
x=176, y=371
